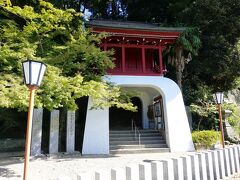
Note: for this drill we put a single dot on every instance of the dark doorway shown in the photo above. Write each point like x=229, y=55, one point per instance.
x=121, y=119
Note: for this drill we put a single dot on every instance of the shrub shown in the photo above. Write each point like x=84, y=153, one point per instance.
x=205, y=138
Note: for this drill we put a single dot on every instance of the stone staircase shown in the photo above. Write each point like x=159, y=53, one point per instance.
x=124, y=142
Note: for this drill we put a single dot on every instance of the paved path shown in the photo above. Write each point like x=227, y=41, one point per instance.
x=49, y=168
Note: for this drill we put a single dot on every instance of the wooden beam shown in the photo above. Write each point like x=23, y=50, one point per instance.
x=160, y=59
x=143, y=60
x=123, y=58
x=132, y=46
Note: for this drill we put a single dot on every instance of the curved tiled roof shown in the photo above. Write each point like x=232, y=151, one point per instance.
x=132, y=25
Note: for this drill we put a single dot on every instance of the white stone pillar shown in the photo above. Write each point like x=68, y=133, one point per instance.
x=145, y=171
x=102, y=175
x=168, y=172
x=118, y=174
x=84, y=176
x=221, y=164
x=232, y=163
x=236, y=159
x=226, y=162
x=187, y=168
x=132, y=172
x=70, y=142
x=157, y=170
x=54, y=132
x=36, y=132
x=209, y=166
x=178, y=168
x=216, y=165
x=202, y=166
x=195, y=167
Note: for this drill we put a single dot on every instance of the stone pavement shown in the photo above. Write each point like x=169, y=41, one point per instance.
x=68, y=166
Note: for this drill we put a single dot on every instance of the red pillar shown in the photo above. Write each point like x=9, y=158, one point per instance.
x=143, y=60
x=123, y=58
x=160, y=59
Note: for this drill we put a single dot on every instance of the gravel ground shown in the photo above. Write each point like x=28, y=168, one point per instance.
x=51, y=168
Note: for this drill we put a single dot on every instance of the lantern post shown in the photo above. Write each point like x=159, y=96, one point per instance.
x=219, y=100
x=33, y=73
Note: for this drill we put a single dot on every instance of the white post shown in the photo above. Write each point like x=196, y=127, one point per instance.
x=145, y=171
x=178, y=168
x=118, y=174
x=157, y=170
x=236, y=159
x=209, y=166
x=232, y=163
x=84, y=176
x=187, y=169
x=226, y=162
x=168, y=172
x=202, y=166
x=102, y=175
x=132, y=172
x=195, y=167
x=222, y=169
x=216, y=164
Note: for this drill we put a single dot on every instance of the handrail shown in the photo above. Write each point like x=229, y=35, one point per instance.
x=136, y=130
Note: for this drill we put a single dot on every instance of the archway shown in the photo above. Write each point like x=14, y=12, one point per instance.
x=122, y=119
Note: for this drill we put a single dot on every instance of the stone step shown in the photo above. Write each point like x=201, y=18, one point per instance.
x=124, y=142
x=114, y=147
x=130, y=131
x=133, y=135
x=135, y=151
x=132, y=142
x=127, y=138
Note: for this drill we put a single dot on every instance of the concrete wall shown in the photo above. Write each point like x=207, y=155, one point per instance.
x=145, y=101
x=178, y=135
x=96, y=133
x=146, y=97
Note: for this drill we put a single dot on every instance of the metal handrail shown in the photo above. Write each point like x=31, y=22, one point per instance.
x=136, y=131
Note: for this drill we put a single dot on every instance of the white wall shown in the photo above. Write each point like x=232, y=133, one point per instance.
x=178, y=135
x=146, y=100
x=96, y=133
x=146, y=97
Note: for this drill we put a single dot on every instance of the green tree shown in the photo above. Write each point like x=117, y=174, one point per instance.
x=57, y=37
x=218, y=64
x=180, y=53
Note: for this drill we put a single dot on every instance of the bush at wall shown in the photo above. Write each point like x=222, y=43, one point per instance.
x=205, y=139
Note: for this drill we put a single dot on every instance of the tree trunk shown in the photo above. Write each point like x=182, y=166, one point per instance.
x=179, y=77
x=199, y=123
x=179, y=65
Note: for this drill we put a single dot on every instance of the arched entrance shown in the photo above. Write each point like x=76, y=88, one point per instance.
x=121, y=119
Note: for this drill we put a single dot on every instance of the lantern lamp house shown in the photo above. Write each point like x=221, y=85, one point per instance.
x=161, y=123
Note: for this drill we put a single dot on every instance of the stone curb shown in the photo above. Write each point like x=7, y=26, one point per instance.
x=208, y=165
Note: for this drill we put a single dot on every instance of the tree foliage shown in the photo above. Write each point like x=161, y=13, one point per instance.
x=217, y=64
x=180, y=53
x=58, y=38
